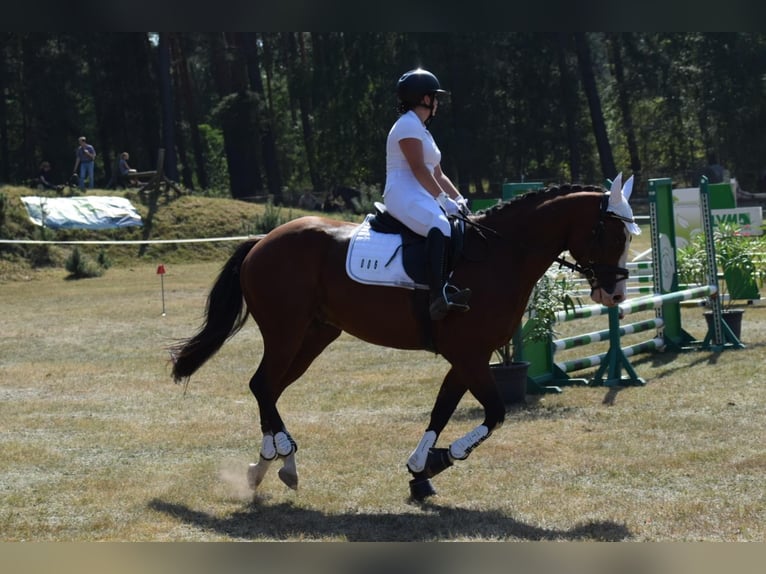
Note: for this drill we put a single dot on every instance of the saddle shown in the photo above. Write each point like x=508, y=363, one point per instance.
x=384, y=251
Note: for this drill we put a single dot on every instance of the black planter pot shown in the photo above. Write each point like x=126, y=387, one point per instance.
x=511, y=380
x=732, y=317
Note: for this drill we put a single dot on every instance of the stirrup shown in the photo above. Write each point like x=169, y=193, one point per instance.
x=452, y=299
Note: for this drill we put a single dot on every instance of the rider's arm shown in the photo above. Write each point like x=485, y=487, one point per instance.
x=446, y=183
x=412, y=148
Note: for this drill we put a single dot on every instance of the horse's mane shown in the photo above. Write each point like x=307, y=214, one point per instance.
x=536, y=196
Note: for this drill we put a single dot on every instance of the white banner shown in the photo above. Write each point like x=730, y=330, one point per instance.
x=686, y=209
x=87, y=212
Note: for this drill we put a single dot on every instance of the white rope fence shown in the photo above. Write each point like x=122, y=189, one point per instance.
x=127, y=241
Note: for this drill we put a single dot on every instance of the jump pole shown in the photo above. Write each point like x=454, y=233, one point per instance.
x=616, y=358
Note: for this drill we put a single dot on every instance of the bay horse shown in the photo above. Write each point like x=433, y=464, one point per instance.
x=294, y=285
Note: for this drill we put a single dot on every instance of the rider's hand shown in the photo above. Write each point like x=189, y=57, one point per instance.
x=451, y=207
x=462, y=204
x=448, y=204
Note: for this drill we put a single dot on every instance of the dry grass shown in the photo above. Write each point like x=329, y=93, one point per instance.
x=98, y=444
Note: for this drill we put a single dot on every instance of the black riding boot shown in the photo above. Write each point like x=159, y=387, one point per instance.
x=444, y=296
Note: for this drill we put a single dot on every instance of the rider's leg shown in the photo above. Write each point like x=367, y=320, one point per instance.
x=444, y=296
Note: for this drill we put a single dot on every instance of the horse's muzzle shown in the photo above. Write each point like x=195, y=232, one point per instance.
x=602, y=297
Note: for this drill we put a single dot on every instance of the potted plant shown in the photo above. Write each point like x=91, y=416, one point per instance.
x=552, y=293
x=741, y=269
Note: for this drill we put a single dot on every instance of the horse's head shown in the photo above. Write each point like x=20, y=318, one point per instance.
x=602, y=255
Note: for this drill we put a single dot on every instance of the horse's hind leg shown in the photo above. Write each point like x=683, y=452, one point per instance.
x=274, y=446
x=257, y=471
x=277, y=442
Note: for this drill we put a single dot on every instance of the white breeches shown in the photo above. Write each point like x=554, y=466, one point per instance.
x=415, y=207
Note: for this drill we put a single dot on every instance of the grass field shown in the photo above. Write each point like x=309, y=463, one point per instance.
x=97, y=443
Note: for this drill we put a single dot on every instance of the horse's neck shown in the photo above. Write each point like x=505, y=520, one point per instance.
x=537, y=228
x=536, y=232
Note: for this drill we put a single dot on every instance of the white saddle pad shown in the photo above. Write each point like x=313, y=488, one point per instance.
x=376, y=259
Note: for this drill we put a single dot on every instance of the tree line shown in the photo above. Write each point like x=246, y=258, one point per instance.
x=246, y=114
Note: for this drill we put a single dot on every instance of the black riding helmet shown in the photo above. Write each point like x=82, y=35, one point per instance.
x=415, y=84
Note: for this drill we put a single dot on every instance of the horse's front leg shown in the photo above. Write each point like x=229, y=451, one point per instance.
x=426, y=461
x=273, y=446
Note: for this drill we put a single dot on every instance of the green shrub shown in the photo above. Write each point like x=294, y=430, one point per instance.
x=80, y=266
x=41, y=255
x=271, y=218
x=103, y=259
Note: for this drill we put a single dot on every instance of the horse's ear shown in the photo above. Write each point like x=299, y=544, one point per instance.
x=615, y=193
x=627, y=189
x=618, y=202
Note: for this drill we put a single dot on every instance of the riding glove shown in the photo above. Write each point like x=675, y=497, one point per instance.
x=448, y=204
x=462, y=204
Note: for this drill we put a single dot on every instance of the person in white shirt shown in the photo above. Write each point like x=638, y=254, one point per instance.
x=417, y=192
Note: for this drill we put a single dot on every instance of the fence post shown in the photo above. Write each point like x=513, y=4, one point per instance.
x=664, y=264
x=719, y=335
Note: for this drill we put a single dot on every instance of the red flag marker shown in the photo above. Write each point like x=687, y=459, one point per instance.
x=161, y=273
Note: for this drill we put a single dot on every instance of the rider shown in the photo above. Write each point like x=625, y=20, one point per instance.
x=417, y=192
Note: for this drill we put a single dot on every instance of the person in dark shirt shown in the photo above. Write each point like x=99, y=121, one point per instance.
x=85, y=157
x=44, y=177
x=126, y=172
x=714, y=171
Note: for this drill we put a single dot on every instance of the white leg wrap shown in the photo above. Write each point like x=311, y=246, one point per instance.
x=268, y=448
x=284, y=443
x=462, y=447
x=419, y=456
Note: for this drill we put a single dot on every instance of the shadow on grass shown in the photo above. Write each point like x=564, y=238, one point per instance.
x=668, y=364
x=285, y=521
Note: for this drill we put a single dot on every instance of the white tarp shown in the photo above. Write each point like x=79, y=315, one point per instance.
x=86, y=212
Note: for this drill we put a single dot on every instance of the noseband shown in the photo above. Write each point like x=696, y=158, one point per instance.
x=596, y=273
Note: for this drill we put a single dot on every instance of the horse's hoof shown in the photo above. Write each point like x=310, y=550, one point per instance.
x=256, y=472
x=421, y=488
x=290, y=479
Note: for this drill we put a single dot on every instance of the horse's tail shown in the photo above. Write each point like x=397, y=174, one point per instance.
x=225, y=314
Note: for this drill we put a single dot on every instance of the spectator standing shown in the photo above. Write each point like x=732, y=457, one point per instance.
x=85, y=158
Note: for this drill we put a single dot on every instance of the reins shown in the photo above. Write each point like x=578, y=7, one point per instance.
x=589, y=272
x=560, y=260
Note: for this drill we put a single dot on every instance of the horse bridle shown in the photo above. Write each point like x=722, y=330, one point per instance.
x=593, y=272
